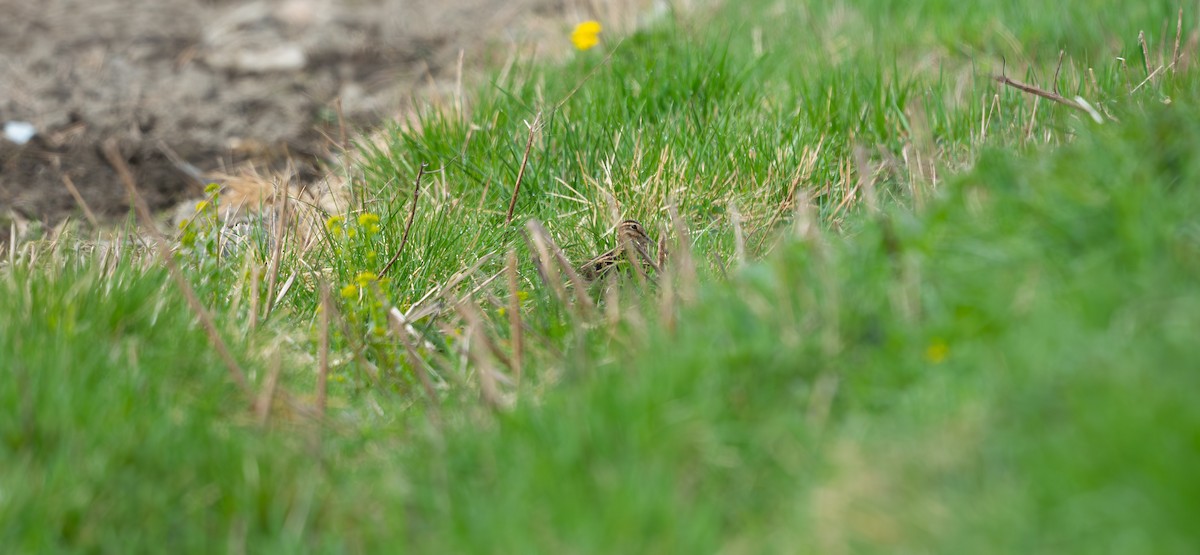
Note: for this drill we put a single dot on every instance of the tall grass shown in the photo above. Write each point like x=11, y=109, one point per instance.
x=905, y=308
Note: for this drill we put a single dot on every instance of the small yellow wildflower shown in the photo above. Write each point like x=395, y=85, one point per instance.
x=350, y=292
x=522, y=295
x=364, y=279
x=586, y=34
x=333, y=225
x=211, y=189
x=369, y=222
x=500, y=311
x=937, y=351
x=201, y=206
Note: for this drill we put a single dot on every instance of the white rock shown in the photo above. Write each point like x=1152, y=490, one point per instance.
x=19, y=131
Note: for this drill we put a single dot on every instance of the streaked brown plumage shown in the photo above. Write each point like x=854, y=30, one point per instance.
x=632, y=241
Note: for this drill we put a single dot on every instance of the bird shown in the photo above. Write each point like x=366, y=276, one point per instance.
x=632, y=241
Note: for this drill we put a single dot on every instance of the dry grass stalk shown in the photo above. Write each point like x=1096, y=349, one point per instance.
x=512, y=203
x=682, y=260
x=612, y=306
x=477, y=351
x=1178, y=37
x=412, y=212
x=255, y=277
x=514, y=316
x=113, y=153
x=262, y=404
x=83, y=205
x=739, y=238
x=1032, y=118
x=400, y=328
x=456, y=279
x=1048, y=95
x=804, y=170
x=866, y=179
x=1145, y=52
x=323, y=352
x=668, y=302
x=277, y=251
x=569, y=269
x=550, y=256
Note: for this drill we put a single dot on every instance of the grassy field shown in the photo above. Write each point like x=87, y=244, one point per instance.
x=904, y=308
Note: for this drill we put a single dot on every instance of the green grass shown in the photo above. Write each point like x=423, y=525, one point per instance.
x=993, y=355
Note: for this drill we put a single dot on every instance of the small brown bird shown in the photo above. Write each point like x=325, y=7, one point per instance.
x=632, y=241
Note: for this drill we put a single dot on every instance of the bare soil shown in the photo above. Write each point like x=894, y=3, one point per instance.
x=209, y=84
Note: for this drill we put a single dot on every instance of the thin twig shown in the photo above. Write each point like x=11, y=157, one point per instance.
x=512, y=203
x=87, y=212
x=412, y=212
x=113, y=153
x=1005, y=80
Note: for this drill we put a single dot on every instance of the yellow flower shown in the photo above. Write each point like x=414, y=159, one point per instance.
x=350, y=292
x=937, y=351
x=586, y=34
x=364, y=279
x=369, y=222
x=201, y=206
x=334, y=225
x=211, y=189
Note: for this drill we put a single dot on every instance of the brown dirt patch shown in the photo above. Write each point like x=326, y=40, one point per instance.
x=215, y=83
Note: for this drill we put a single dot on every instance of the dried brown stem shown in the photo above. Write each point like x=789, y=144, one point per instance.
x=1178, y=37
x=1057, y=69
x=682, y=255
x=1145, y=51
x=277, y=252
x=546, y=244
x=512, y=203
x=262, y=405
x=1048, y=95
x=87, y=212
x=418, y=364
x=478, y=352
x=412, y=212
x=113, y=153
x=514, y=316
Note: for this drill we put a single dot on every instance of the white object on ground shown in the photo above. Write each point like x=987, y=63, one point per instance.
x=19, y=131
